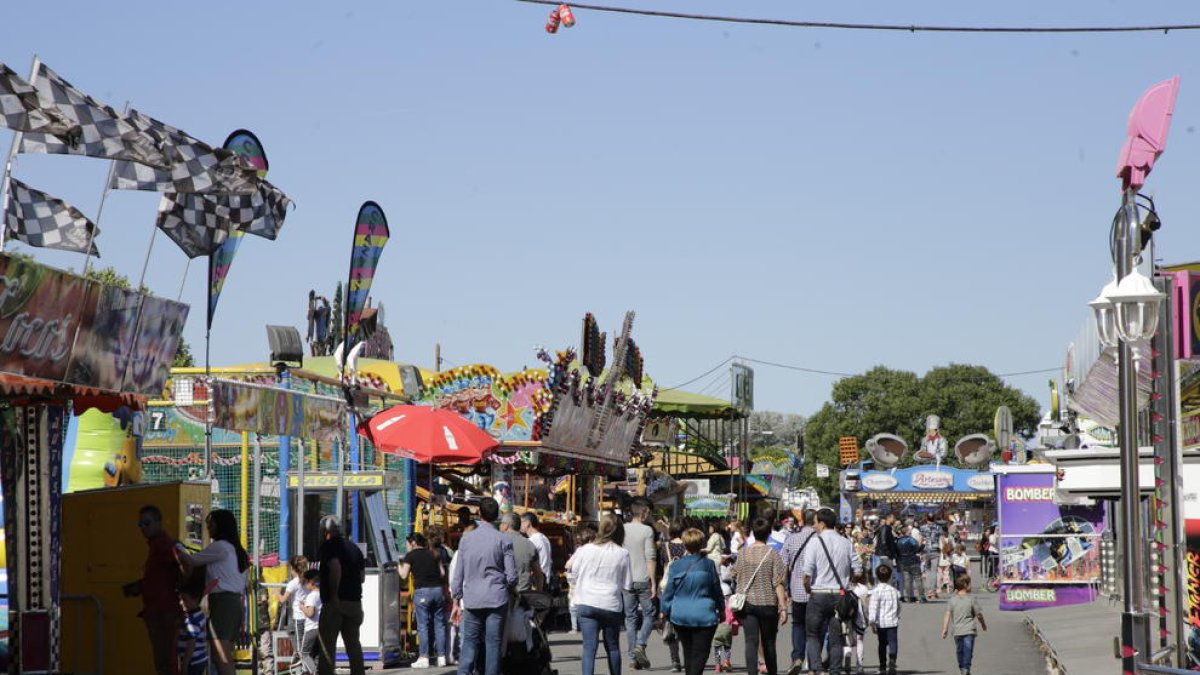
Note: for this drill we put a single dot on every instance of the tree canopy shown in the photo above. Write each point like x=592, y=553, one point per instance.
x=883, y=400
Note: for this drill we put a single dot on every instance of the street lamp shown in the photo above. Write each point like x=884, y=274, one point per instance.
x=1106, y=320
x=1136, y=304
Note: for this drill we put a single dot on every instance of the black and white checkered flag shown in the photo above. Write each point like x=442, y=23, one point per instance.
x=200, y=223
x=196, y=166
x=40, y=220
x=21, y=109
x=103, y=132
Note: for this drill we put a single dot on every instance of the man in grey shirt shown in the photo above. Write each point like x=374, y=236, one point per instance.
x=483, y=574
x=639, y=602
x=796, y=546
x=524, y=553
x=827, y=564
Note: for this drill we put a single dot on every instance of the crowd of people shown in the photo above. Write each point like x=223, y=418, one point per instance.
x=699, y=583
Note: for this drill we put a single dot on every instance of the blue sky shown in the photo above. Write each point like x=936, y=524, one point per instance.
x=829, y=199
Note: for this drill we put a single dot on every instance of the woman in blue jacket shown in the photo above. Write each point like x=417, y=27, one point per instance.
x=692, y=601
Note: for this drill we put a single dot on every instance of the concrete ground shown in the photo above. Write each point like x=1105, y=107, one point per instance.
x=1005, y=649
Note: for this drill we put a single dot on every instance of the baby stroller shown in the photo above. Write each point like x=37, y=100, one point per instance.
x=526, y=650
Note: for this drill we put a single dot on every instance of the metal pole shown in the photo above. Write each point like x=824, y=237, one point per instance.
x=1175, y=554
x=12, y=154
x=340, y=456
x=285, y=460
x=257, y=522
x=1134, y=624
x=245, y=488
x=112, y=168
x=299, y=495
x=355, y=465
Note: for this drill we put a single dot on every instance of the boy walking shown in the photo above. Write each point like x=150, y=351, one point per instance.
x=962, y=613
x=884, y=615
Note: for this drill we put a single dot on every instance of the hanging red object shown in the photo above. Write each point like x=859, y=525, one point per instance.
x=552, y=22
x=567, y=16
x=428, y=435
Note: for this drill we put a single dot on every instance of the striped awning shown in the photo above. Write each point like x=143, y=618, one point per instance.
x=927, y=497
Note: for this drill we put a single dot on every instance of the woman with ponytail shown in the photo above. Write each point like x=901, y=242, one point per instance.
x=225, y=564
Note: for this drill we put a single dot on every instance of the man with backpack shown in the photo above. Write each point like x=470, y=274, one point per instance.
x=793, y=549
x=826, y=570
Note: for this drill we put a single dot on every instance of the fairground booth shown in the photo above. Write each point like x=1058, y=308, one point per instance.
x=927, y=488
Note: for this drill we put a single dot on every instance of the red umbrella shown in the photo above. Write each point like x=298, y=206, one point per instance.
x=429, y=435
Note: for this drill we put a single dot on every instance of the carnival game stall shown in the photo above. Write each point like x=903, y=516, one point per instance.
x=1049, y=552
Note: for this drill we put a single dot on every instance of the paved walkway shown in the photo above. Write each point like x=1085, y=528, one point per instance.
x=1080, y=637
x=1005, y=649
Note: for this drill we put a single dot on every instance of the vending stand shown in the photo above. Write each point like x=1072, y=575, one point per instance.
x=1049, y=552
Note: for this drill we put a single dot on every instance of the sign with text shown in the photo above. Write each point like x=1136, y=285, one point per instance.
x=1049, y=553
x=64, y=328
x=743, y=386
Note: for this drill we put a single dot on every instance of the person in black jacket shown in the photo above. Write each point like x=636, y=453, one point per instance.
x=885, y=546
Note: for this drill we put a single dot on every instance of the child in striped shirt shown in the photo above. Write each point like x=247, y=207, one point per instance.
x=193, y=632
x=884, y=615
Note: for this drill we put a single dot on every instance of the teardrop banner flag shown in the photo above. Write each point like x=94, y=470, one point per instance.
x=246, y=145
x=370, y=235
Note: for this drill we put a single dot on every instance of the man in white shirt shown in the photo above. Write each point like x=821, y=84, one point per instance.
x=827, y=569
x=529, y=527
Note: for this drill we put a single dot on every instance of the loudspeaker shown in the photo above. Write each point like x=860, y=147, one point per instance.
x=285, y=344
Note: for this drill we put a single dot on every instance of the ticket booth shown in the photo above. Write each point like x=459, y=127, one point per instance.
x=380, y=633
x=102, y=551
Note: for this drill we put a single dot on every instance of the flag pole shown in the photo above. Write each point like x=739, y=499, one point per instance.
x=207, y=367
x=112, y=169
x=12, y=154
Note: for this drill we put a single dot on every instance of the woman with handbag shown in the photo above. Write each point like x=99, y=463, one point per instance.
x=760, y=601
x=672, y=550
x=692, y=601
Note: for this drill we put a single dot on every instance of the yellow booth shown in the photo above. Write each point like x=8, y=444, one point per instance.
x=102, y=550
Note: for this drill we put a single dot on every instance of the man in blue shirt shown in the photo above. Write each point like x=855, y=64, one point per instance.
x=485, y=574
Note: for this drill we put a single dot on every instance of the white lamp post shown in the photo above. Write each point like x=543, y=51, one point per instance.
x=1136, y=304
x=1106, y=319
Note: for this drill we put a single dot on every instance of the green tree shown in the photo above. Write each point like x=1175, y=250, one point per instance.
x=883, y=400
x=111, y=277
x=336, y=321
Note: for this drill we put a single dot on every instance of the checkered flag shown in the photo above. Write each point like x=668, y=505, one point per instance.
x=196, y=166
x=200, y=223
x=21, y=109
x=40, y=220
x=103, y=132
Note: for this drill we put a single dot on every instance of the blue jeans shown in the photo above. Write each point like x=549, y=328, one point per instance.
x=638, y=609
x=889, y=644
x=430, y=606
x=593, y=622
x=799, y=637
x=964, y=645
x=482, y=630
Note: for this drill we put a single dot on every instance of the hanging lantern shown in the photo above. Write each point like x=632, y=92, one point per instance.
x=552, y=22
x=568, y=17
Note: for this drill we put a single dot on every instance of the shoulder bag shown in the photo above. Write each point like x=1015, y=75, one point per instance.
x=847, y=603
x=737, y=601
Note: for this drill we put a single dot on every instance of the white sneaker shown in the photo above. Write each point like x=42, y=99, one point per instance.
x=422, y=662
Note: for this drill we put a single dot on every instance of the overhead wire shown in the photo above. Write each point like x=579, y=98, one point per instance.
x=906, y=28
x=701, y=375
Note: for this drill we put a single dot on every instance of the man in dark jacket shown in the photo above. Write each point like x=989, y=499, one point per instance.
x=885, y=546
x=908, y=553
